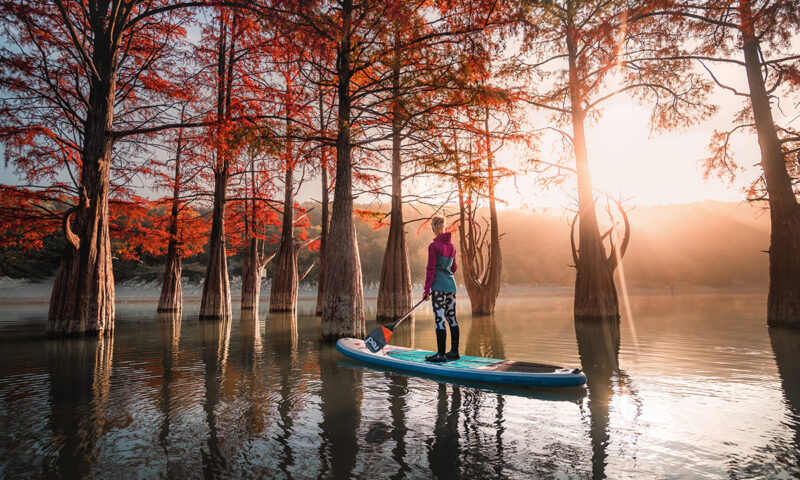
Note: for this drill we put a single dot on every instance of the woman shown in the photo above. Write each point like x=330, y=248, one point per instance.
x=440, y=286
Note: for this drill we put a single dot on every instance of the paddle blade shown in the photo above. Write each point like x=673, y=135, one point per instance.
x=377, y=339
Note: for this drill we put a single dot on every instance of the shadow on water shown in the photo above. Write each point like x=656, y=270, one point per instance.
x=215, y=343
x=598, y=348
x=340, y=401
x=80, y=373
x=786, y=347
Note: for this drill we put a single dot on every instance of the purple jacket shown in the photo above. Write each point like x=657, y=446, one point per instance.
x=441, y=265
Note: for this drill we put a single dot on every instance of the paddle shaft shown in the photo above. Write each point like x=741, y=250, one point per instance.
x=395, y=324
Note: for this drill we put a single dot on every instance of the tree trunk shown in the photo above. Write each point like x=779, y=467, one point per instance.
x=216, y=299
x=82, y=301
x=394, y=292
x=343, y=301
x=252, y=272
x=783, y=300
x=283, y=294
x=491, y=284
x=171, y=297
x=323, y=236
x=595, y=292
x=481, y=277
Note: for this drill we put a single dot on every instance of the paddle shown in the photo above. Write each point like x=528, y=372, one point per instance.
x=378, y=338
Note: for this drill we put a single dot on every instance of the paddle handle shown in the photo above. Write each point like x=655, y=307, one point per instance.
x=395, y=324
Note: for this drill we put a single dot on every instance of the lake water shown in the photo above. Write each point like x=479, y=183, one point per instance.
x=691, y=386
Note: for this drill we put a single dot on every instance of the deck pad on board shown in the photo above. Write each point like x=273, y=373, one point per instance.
x=463, y=362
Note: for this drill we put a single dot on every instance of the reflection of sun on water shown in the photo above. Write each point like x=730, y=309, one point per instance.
x=625, y=405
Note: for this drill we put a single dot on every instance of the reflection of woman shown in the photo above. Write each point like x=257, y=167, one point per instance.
x=440, y=285
x=444, y=447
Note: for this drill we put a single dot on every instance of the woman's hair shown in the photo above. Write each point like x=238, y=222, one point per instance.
x=438, y=222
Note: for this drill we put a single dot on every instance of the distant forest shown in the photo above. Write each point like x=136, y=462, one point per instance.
x=712, y=244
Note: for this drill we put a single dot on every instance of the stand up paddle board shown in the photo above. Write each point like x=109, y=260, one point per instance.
x=490, y=370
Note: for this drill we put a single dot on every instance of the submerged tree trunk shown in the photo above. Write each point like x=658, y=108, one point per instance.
x=323, y=239
x=216, y=299
x=482, y=272
x=783, y=300
x=343, y=301
x=82, y=301
x=252, y=272
x=283, y=294
x=171, y=298
x=595, y=292
x=394, y=292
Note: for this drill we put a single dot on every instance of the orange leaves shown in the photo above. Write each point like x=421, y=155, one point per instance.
x=373, y=218
x=27, y=217
x=143, y=228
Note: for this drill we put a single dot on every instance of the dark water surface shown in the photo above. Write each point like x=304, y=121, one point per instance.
x=692, y=387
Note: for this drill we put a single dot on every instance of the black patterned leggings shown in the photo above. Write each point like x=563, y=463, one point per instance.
x=444, y=308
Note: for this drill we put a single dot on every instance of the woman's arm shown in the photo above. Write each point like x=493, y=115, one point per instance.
x=430, y=270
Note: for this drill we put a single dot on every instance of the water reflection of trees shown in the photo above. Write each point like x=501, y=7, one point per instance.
x=403, y=335
x=251, y=388
x=398, y=389
x=598, y=348
x=169, y=323
x=283, y=338
x=215, y=342
x=786, y=347
x=340, y=402
x=80, y=384
x=484, y=340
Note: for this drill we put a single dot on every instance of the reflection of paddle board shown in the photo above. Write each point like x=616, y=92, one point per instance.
x=480, y=369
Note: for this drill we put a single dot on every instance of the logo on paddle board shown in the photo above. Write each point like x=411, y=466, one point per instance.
x=372, y=344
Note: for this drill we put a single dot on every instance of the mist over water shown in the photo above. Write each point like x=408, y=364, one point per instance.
x=702, y=389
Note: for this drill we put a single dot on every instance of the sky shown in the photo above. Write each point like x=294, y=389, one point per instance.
x=645, y=168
